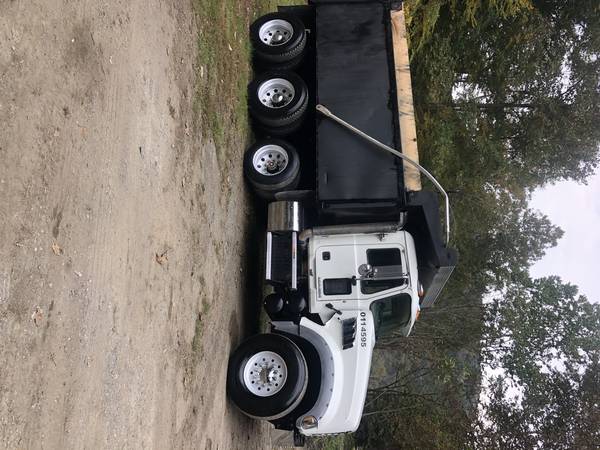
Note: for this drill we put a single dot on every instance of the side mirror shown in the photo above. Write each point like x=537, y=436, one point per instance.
x=365, y=270
x=389, y=273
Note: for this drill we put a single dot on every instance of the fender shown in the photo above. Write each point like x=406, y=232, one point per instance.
x=344, y=372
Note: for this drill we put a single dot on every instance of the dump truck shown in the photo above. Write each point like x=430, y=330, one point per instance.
x=355, y=248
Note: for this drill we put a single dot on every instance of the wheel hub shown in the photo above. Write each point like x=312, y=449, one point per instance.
x=272, y=167
x=265, y=373
x=276, y=92
x=270, y=160
x=278, y=99
x=276, y=32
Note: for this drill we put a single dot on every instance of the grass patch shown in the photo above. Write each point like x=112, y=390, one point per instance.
x=197, y=339
x=224, y=70
x=338, y=442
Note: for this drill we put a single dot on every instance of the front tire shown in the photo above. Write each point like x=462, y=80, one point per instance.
x=267, y=376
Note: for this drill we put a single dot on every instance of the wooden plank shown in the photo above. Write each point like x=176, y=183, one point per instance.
x=408, y=130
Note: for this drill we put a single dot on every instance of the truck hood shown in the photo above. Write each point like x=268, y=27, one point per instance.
x=344, y=369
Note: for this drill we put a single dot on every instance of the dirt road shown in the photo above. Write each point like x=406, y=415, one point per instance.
x=123, y=233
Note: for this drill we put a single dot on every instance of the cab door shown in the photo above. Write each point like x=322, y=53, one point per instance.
x=336, y=272
x=338, y=275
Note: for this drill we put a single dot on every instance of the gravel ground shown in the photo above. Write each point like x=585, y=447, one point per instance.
x=126, y=239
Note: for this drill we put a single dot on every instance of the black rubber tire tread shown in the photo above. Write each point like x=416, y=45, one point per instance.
x=278, y=117
x=268, y=192
x=278, y=53
x=292, y=64
x=283, y=57
x=284, y=401
x=274, y=182
x=282, y=131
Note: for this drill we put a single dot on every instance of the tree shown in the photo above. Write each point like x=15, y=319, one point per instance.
x=536, y=82
x=544, y=339
x=561, y=411
x=532, y=328
x=521, y=79
x=503, y=236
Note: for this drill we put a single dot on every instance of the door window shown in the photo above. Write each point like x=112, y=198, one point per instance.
x=382, y=257
x=391, y=313
x=337, y=286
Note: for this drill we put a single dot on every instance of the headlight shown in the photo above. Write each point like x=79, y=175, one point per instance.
x=309, y=422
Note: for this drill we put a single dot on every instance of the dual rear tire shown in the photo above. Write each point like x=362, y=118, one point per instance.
x=277, y=101
x=278, y=97
x=278, y=40
x=271, y=166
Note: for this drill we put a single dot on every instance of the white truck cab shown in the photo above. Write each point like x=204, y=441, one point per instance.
x=353, y=284
x=361, y=285
x=352, y=272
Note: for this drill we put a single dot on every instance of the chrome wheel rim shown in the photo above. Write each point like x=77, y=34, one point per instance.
x=276, y=32
x=270, y=160
x=276, y=93
x=265, y=374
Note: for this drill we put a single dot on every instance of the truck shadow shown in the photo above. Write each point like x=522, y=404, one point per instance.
x=252, y=266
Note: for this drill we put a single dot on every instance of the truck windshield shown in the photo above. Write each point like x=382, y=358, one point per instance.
x=391, y=313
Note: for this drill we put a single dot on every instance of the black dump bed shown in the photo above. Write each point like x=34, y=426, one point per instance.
x=354, y=54
x=353, y=76
x=436, y=261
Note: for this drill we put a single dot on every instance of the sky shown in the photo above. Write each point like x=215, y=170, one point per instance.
x=576, y=209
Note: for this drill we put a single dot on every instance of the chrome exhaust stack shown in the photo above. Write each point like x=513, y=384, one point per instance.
x=284, y=216
x=284, y=222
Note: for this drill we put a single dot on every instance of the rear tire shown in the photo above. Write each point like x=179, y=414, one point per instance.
x=293, y=64
x=278, y=101
x=278, y=38
x=284, y=171
x=257, y=365
x=282, y=131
